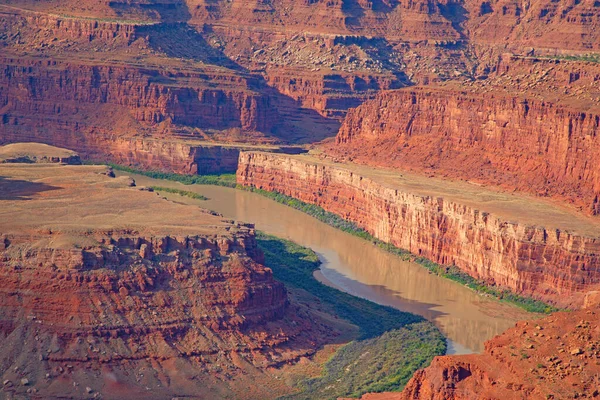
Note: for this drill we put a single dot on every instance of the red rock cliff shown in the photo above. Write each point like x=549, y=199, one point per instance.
x=529, y=145
x=32, y=87
x=553, y=265
x=108, y=290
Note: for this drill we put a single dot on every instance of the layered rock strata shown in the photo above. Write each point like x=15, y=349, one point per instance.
x=93, y=77
x=155, y=154
x=31, y=88
x=526, y=144
x=110, y=291
x=557, y=265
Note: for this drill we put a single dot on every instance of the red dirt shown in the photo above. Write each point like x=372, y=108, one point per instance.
x=557, y=357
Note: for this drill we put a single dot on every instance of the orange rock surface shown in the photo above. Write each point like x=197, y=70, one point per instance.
x=557, y=357
x=517, y=143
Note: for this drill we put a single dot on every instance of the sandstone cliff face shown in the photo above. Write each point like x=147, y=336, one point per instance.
x=136, y=305
x=552, y=265
x=543, y=25
x=548, y=26
x=330, y=94
x=415, y=20
x=529, y=145
x=81, y=28
x=31, y=87
x=92, y=76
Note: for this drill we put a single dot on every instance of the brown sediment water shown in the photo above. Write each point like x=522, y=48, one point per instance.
x=362, y=269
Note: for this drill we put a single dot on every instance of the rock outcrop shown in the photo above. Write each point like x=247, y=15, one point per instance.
x=556, y=357
x=31, y=153
x=553, y=264
x=111, y=291
x=92, y=77
x=526, y=144
x=68, y=90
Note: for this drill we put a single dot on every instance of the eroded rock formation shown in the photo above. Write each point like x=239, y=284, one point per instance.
x=554, y=264
x=556, y=357
x=494, y=138
x=110, y=291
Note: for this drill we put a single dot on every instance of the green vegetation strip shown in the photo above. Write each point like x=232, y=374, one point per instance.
x=227, y=180
x=391, y=346
x=449, y=272
x=594, y=58
x=185, y=193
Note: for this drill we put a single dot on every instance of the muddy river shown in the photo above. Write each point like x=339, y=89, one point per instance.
x=362, y=269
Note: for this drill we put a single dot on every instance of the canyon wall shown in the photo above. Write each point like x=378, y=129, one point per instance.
x=526, y=144
x=152, y=154
x=548, y=26
x=88, y=76
x=552, y=265
x=132, y=115
x=31, y=87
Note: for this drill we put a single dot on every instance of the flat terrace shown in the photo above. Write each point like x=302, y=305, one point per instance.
x=69, y=203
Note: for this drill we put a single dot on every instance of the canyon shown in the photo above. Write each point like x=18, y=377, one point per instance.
x=465, y=132
x=112, y=290
x=492, y=236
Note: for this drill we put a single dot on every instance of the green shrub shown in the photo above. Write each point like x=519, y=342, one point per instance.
x=185, y=193
x=391, y=346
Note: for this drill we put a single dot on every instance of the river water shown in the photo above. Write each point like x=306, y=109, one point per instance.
x=362, y=269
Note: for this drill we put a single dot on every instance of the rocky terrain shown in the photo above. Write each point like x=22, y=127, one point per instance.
x=28, y=153
x=530, y=145
x=553, y=358
x=110, y=291
x=532, y=247
x=464, y=131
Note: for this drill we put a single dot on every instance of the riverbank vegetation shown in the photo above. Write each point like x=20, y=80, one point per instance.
x=196, y=196
x=391, y=345
x=227, y=180
x=450, y=272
